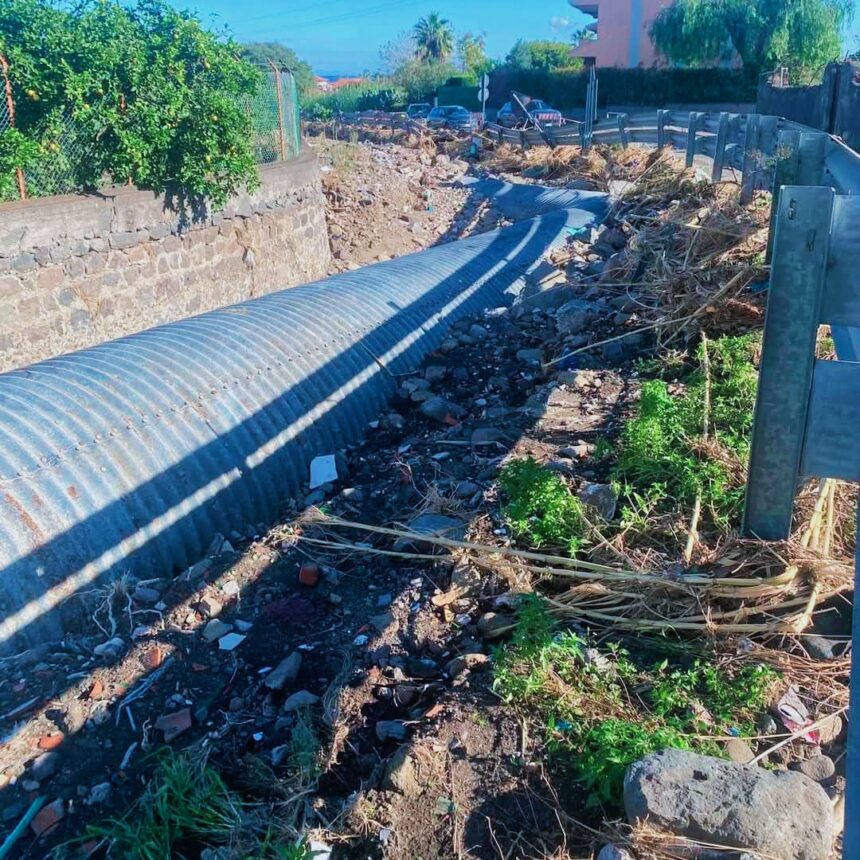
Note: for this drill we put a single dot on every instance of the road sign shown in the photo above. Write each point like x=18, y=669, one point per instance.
x=484, y=91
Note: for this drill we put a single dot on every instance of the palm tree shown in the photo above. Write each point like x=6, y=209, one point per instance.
x=434, y=38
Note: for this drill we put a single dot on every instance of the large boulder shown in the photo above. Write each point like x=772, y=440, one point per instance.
x=782, y=814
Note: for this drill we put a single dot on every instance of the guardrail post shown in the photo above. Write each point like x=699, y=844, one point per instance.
x=692, y=127
x=793, y=311
x=720, y=148
x=622, y=130
x=799, y=161
x=662, y=118
x=751, y=153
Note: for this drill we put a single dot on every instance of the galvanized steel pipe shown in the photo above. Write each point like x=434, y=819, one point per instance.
x=133, y=455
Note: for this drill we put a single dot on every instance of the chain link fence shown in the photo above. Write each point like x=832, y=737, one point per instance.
x=53, y=154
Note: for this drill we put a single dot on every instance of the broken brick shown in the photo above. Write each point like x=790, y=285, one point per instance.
x=48, y=818
x=174, y=724
x=52, y=741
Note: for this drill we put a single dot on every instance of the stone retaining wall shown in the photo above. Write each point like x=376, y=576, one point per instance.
x=79, y=270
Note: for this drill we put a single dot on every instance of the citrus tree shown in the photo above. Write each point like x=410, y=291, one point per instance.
x=151, y=96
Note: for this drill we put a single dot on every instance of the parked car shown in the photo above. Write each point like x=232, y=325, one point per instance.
x=419, y=111
x=451, y=116
x=540, y=110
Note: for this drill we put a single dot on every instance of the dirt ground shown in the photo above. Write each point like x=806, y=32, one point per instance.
x=418, y=757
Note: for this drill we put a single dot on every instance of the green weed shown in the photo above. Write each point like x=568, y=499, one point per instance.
x=540, y=508
x=593, y=722
x=184, y=800
x=664, y=450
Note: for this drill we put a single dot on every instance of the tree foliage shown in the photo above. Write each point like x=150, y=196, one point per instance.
x=541, y=55
x=434, y=38
x=472, y=55
x=801, y=34
x=151, y=94
x=261, y=53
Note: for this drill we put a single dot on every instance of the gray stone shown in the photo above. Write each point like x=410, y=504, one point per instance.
x=45, y=766
x=818, y=647
x=391, y=730
x=302, y=699
x=436, y=525
x=820, y=768
x=478, y=332
x=614, y=852
x=435, y=373
x=110, y=649
x=286, y=670
x=784, y=814
x=466, y=489
x=441, y=410
x=122, y=241
x=144, y=594
x=493, y=625
x=574, y=316
x=739, y=751
x=466, y=662
x=215, y=629
x=98, y=795
x=401, y=773
x=530, y=356
x=487, y=435
x=601, y=497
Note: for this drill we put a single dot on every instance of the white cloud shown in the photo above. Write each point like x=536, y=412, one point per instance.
x=559, y=22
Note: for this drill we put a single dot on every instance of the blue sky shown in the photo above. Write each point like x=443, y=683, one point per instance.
x=344, y=36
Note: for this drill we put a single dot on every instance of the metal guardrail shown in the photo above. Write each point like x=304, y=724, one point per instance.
x=807, y=418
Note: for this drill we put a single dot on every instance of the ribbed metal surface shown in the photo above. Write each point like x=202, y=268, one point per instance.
x=132, y=455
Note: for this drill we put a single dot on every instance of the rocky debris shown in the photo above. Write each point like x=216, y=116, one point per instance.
x=45, y=766
x=285, y=672
x=782, y=814
x=830, y=730
x=299, y=700
x=495, y=625
x=391, y=730
x=98, y=795
x=401, y=773
x=614, y=852
x=820, y=768
x=575, y=316
x=601, y=497
x=146, y=595
x=818, y=647
x=216, y=629
x=111, y=649
x=442, y=410
x=465, y=663
x=739, y=751
x=436, y=525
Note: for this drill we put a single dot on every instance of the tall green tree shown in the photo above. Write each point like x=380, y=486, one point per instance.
x=801, y=34
x=542, y=55
x=472, y=55
x=434, y=38
x=261, y=53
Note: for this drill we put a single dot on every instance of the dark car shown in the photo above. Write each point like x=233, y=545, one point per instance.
x=451, y=116
x=419, y=111
x=540, y=110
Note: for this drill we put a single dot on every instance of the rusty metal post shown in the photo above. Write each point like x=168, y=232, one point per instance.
x=10, y=105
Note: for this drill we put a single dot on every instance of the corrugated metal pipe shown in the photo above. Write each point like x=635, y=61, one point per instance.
x=133, y=455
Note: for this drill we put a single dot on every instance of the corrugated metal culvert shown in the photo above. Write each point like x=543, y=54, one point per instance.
x=133, y=455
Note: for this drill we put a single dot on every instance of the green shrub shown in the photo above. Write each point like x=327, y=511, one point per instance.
x=663, y=450
x=152, y=96
x=591, y=721
x=540, y=509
